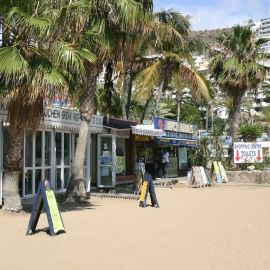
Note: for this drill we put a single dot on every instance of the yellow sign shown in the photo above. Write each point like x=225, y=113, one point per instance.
x=142, y=138
x=56, y=218
x=120, y=165
x=143, y=191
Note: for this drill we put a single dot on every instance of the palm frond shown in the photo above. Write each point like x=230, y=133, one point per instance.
x=13, y=66
x=23, y=20
x=130, y=13
x=48, y=83
x=146, y=80
x=198, y=85
x=71, y=58
x=165, y=32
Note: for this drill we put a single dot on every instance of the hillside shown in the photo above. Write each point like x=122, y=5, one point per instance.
x=209, y=37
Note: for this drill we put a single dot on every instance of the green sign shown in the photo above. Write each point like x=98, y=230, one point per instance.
x=54, y=211
x=120, y=165
x=45, y=198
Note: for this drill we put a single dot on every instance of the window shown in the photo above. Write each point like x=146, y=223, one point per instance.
x=120, y=156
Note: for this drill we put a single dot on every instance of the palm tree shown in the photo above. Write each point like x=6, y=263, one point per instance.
x=28, y=74
x=236, y=68
x=105, y=21
x=33, y=65
x=173, y=63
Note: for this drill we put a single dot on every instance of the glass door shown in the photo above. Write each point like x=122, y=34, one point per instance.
x=37, y=160
x=106, y=161
x=63, y=159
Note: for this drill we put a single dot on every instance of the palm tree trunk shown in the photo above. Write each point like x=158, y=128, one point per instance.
x=236, y=113
x=76, y=187
x=178, y=107
x=126, y=78
x=108, y=86
x=145, y=108
x=12, y=201
x=208, y=108
x=160, y=91
x=130, y=84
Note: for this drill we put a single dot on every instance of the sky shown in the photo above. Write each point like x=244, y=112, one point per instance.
x=212, y=14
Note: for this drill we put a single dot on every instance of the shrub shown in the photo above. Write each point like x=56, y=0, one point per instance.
x=250, y=133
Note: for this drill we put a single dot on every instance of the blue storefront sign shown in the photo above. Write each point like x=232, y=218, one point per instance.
x=172, y=125
x=177, y=133
x=176, y=142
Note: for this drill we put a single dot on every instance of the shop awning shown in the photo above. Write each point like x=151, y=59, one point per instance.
x=147, y=130
x=176, y=142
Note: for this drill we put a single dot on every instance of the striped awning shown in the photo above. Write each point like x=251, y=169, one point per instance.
x=176, y=142
x=147, y=130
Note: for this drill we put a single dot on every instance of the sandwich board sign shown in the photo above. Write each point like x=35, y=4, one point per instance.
x=245, y=152
x=198, y=177
x=216, y=170
x=222, y=172
x=45, y=198
x=148, y=187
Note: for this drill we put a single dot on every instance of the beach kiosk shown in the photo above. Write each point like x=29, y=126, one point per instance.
x=49, y=153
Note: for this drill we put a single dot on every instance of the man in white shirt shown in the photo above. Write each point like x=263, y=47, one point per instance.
x=165, y=163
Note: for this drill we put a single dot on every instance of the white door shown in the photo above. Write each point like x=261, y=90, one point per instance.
x=106, y=161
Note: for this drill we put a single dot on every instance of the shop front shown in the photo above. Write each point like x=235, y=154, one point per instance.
x=146, y=147
x=115, y=154
x=165, y=135
x=49, y=153
x=178, y=138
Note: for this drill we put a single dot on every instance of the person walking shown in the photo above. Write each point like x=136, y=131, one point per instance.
x=159, y=162
x=165, y=163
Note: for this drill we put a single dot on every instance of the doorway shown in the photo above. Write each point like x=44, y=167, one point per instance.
x=106, y=161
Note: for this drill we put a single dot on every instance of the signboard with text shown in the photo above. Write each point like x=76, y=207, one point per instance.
x=172, y=125
x=148, y=187
x=54, y=116
x=45, y=198
x=245, y=152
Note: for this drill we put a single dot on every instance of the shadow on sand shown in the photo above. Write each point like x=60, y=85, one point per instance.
x=63, y=206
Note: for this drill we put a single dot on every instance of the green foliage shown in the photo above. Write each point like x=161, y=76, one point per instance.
x=191, y=114
x=200, y=155
x=218, y=126
x=250, y=133
x=101, y=105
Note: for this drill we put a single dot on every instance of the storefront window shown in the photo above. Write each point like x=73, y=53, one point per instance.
x=38, y=157
x=37, y=178
x=106, y=161
x=58, y=179
x=39, y=166
x=28, y=182
x=182, y=153
x=28, y=151
x=120, y=156
x=51, y=160
x=58, y=146
x=47, y=148
x=66, y=176
x=67, y=149
x=173, y=165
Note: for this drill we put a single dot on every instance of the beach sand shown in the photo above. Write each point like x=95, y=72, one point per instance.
x=221, y=227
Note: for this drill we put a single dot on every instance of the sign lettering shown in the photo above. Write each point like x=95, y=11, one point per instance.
x=247, y=152
x=45, y=198
x=171, y=125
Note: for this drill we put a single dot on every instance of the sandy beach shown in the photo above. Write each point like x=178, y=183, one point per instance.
x=221, y=227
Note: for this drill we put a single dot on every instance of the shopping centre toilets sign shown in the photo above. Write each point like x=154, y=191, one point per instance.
x=248, y=152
